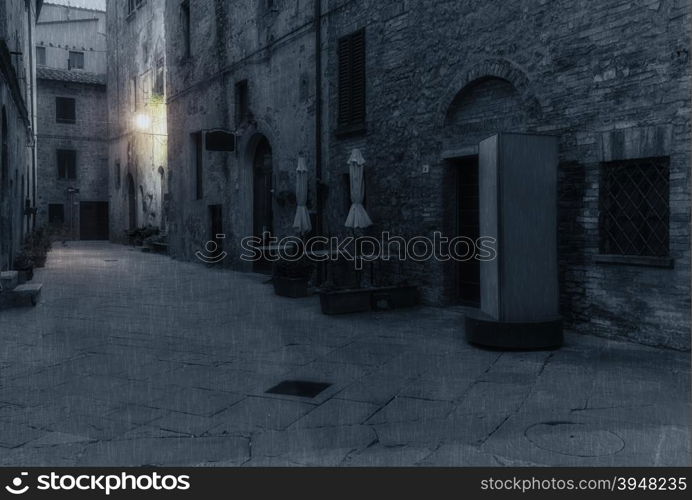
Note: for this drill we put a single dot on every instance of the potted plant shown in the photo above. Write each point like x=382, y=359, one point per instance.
x=37, y=246
x=396, y=296
x=342, y=300
x=138, y=235
x=291, y=278
x=24, y=266
x=344, y=291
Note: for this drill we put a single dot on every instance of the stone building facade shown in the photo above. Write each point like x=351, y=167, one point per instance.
x=72, y=146
x=137, y=145
x=610, y=80
x=17, y=125
x=245, y=68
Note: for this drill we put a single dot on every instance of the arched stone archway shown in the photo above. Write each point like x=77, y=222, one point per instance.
x=464, y=77
x=260, y=160
x=485, y=99
x=482, y=108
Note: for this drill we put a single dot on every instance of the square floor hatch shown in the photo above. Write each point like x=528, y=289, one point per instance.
x=300, y=388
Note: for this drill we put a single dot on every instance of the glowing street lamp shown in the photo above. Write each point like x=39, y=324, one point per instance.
x=142, y=121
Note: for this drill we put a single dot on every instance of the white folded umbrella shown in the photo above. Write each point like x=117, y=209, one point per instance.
x=357, y=216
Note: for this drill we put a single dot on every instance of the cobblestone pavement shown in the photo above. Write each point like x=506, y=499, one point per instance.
x=136, y=359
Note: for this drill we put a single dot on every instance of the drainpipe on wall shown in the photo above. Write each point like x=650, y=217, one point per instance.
x=318, y=117
x=33, y=116
x=319, y=186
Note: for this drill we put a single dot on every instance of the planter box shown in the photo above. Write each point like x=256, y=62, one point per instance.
x=25, y=275
x=394, y=297
x=290, y=287
x=345, y=301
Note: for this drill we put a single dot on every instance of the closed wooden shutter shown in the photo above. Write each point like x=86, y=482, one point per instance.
x=351, y=56
x=67, y=164
x=65, y=110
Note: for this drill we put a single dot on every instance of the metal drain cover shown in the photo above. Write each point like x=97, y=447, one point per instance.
x=574, y=439
x=300, y=388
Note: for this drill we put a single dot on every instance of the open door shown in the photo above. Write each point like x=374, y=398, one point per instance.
x=468, y=226
x=518, y=207
x=93, y=220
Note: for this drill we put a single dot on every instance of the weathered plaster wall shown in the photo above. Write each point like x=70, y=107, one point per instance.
x=136, y=44
x=17, y=101
x=271, y=48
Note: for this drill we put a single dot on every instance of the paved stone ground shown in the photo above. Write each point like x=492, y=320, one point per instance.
x=136, y=359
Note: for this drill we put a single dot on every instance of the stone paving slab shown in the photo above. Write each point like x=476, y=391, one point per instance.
x=137, y=359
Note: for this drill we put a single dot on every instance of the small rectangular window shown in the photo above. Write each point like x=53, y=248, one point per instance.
x=41, y=56
x=199, y=164
x=159, y=82
x=65, y=111
x=242, y=105
x=634, y=207
x=185, y=23
x=133, y=94
x=146, y=87
x=116, y=174
x=67, y=164
x=56, y=214
x=76, y=60
x=351, y=81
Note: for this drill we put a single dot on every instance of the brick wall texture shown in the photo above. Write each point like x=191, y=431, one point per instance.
x=611, y=79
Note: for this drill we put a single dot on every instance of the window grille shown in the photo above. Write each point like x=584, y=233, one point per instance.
x=634, y=215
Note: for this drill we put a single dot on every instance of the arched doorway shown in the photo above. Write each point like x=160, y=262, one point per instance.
x=485, y=106
x=5, y=195
x=262, y=198
x=131, y=203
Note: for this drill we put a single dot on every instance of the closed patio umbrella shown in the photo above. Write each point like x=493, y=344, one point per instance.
x=301, y=222
x=357, y=216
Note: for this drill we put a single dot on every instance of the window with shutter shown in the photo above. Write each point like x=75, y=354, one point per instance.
x=351, y=81
x=65, y=110
x=187, y=28
x=241, y=101
x=159, y=82
x=41, y=56
x=56, y=214
x=76, y=60
x=199, y=165
x=67, y=163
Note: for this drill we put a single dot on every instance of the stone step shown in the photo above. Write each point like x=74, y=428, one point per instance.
x=9, y=280
x=22, y=295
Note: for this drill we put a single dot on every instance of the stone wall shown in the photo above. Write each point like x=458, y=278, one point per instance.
x=138, y=166
x=271, y=48
x=443, y=74
x=17, y=110
x=87, y=136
